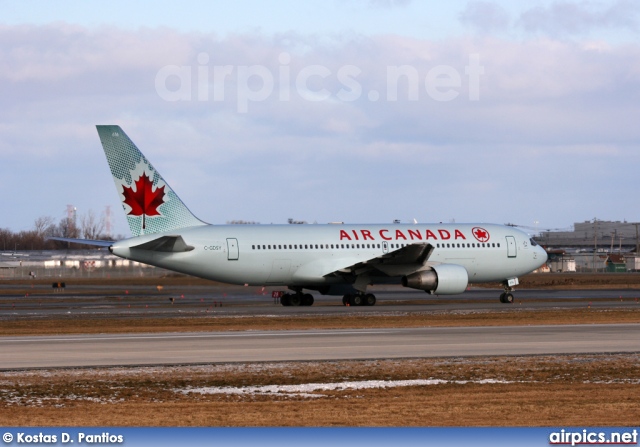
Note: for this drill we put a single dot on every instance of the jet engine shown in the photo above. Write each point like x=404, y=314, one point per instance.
x=443, y=279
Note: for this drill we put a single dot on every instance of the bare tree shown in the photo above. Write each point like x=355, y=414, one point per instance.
x=91, y=226
x=44, y=226
x=7, y=238
x=67, y=228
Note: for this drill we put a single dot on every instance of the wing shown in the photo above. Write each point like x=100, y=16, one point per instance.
x=402, y=261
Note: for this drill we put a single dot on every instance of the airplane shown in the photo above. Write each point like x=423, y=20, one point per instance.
x=332, y=259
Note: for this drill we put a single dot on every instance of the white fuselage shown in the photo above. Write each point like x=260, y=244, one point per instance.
x=310, y=255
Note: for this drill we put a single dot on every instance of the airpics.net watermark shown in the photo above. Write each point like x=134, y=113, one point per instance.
x=257, y=83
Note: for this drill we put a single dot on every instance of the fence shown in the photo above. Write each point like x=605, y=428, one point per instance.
x=72, y=264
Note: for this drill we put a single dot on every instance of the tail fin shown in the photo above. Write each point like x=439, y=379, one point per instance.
x=150, y=204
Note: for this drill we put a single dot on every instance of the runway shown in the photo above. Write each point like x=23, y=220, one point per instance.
x=178, y=301
x=259, y=346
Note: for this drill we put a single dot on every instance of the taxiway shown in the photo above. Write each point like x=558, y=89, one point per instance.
x=259, y=346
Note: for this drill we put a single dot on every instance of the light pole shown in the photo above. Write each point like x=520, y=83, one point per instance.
x=595, y=242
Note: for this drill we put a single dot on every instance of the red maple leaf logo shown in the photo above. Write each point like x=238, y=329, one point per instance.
x=480, y=234
x=144, y=201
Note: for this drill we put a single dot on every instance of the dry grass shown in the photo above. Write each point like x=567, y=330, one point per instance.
x=512, y=317
x=583, y=390
x=577, y=281
x=562, y=281
x=547, y=390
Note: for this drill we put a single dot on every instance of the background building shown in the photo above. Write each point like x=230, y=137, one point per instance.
x=596, y=234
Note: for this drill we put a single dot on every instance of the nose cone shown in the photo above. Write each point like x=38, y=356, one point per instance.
x=543, y=256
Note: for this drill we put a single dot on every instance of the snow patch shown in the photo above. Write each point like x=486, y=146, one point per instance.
x=306, y=389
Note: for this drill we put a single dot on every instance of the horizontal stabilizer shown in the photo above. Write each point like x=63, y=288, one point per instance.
x=83, y=241
x=167, y=244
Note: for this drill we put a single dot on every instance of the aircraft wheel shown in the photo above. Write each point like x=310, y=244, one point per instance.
x=508, y=298
x=370, y=299
x=307, y=299
x=502, y=297
x=295, y=299
x=345, y=299
x=285, y=300
x=356, y=300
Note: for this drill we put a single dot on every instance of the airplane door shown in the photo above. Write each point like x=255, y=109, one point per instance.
x=232, y=249
x=385, y=247
x=512, y=251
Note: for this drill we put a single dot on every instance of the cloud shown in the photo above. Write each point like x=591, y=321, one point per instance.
x=574, y=18
x=485, y=17
x=388, y=3
x=545, y=111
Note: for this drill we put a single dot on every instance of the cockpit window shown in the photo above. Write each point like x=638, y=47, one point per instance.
x=533, y=243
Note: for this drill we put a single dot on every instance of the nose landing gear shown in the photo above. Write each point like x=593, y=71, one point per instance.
x=508, y=285
x=506, y=297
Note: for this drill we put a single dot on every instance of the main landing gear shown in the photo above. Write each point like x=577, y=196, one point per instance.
x=296, y=299
x=359, y=299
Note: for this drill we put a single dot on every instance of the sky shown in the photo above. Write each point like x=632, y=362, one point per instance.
x=359, y=111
